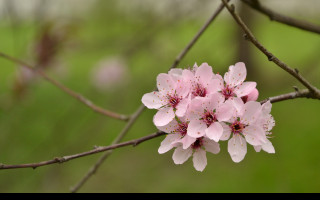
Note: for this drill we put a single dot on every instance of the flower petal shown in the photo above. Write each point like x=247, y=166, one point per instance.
x=214, y=86
x=169, y=128
x=268, y=147
x=200, y=160
x=253, y=96
x=250, y=112
x=213, y=101
x=196, y=128
x=255, y=135
x=266, y=108
x=236, y=75
x=165, y=84
x=245, y=88
x=153, y=100
x=214, y=132
x=168, y=143
x=226, y=132
x=164, y=116
x=180, y=155
x=225, y=111
x=211, y=146
x=187, y=141
x=204, y=74
x=237, y=148
x=182, y=107
x=257, y=148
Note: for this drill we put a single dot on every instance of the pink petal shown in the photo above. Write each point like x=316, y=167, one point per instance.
x=220, y=81
x=238, y=105
x=250, y=112
x=225, y=111
x=214, y=86
x=164, y=116
x=200, y=160
x=169, y=128
x=182, y=107
x=187, y=141
x=268, y=147
x=180, y=155
x=153, y=100
x=214, y=132
x=266, y=108
x=213, y=101
x=226, y=132
x=204, y=74
x=257, y=148
x=236, y=75
x=255, y=135
x=168, y=143
x=196, y=129
x=237, y=148
x=211, y=146
x=253, y=96
x=165, y=84
x=245, y=89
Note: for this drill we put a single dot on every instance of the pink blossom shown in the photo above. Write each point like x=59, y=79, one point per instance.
x=198, y=150
x=267, y=122
x=177, y=135
x=233, y=84
x=244, y=128
x=201, y=81
x=171, y=99
x=206, y=116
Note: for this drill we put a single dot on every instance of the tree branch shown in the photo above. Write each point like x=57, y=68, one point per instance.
x=249, y=36
x=274, y=16
x=60, y=160
x=293, y=95
x=178, y=59
x=67, y=90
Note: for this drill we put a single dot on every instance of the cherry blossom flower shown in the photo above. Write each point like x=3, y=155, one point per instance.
x=244, y=128
x=267, y=122
x=177, y=134
x=198, y=150
x=170, y=100
x=201, y=81
x=233, y=84
x=206, y=115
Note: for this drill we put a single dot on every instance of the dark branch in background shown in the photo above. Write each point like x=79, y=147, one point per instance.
x=64, y=159
x=67, y=90
x=249, y=36
x=304, y=25
x=185, y=51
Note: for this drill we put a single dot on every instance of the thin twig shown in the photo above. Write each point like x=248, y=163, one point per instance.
x=67, y=90
x=249, y=36
x=178, y=59
x=274, y=16
x=60, y=160
x=293, y=95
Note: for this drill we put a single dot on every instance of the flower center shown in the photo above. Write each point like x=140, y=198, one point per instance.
x=174, y=101
x=237, y=127
x=228, y=92
x=182, y=129
x=199, y=91
x=197, y=144
x=209, y=118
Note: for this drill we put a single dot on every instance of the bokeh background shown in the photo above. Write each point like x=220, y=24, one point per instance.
x=111, y=52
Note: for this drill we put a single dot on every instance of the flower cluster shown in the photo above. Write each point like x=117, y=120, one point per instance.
x=198, y=109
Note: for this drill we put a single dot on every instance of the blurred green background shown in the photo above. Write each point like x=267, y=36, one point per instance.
x=78, y=38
